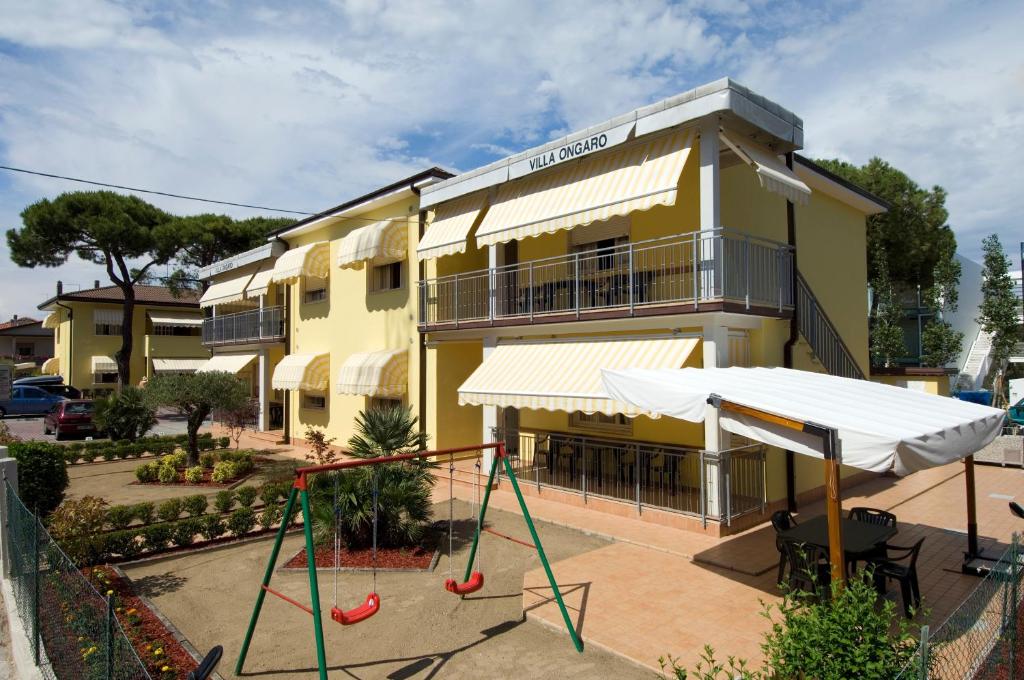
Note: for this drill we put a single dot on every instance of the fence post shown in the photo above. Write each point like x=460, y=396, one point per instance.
x=9, y=482
x=1014, y=592
x=35, y=588
x=923, y=653
x=110, y=637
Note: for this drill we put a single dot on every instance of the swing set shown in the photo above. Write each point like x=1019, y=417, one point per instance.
x=472, y=581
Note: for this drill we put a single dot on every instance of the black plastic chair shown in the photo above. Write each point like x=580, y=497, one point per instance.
x=809, y=568
x=871, y=516
x=207, y=665
x=900, y=564
x=782, y=520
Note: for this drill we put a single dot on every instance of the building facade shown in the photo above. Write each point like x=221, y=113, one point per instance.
x=26, y=343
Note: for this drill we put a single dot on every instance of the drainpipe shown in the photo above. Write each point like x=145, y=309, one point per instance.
x=286, y=420
x=794, y=336
x=71, y=332
x=421, y=397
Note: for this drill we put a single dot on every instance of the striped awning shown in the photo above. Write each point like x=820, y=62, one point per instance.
x=225, y=292
x=302, y=372
x=52, y=320
x=312, y=259
x=109, y=317
x=103, y=365
x=565, y=374
x=25, y=366
x=379, y=243
x=260, y=283
x=178, y=319
x=51, y=366
x=771, y=171
x=382, y=374
x=228, y=363
x=178, y=365
x=451, y=224
x=617, y=182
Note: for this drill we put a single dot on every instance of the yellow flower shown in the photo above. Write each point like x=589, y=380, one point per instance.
x=158, y=652
x=165, y=669
x=110, y=592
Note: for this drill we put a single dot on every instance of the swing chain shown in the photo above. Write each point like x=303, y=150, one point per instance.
x=479, y=524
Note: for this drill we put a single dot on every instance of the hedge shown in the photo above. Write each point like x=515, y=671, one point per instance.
x=227, y=467
x=156, y=445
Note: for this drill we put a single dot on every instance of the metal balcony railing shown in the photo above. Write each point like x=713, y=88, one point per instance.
x=713, y=486
x=693, y=268
x=257, y=325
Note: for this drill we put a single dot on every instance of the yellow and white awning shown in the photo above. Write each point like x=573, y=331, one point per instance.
x=618, y=182
x=52, y=320
x=107, y=317
x=51, y=366
x=382, y=374
x=224, y=292
x=771, y=172
x=450, y=226
x=177, y=319
x=312, y=259
x=177, y=365
x=228, y=363
x=302, y=372
x=565, y=375
x=103, y=365
x=260, y=283
x=25, y=366
x=379, y=243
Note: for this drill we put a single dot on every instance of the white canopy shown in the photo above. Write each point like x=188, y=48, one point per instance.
x=379, y=243
x=260, y=283
x=188, y=365
x=880, y=427
x=181, y=319
x=771, y=172
x=225, y=292
x=229, y=363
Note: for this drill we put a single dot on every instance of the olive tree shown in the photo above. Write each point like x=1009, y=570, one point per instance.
x=196, y=396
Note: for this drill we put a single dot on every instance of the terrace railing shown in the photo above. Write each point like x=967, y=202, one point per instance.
x=717, y=265
x=714, y=486
x=257, y=325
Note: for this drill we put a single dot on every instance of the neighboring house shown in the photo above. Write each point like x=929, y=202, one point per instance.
x=245, y=326
x=26, y=342
x=87, y=334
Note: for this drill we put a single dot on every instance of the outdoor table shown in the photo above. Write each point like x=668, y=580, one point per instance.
x=858, y=537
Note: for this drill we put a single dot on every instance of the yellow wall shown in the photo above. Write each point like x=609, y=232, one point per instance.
x=937, y=384
x=448, y=424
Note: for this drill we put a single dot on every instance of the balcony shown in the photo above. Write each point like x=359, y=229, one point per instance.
x=715, y=270
x=257, y=325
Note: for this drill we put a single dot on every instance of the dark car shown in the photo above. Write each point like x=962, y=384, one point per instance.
x=28, y=400
x=54, y=384
x=72, y=416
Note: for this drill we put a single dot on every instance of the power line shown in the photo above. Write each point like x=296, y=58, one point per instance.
x=150, y=191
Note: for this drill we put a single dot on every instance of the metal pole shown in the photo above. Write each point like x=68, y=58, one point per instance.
x=696, y=282
x=923, y=670
x=500, y=453
x=35, y=588
x=456, y=301
x=314, y=587
x=576, y=260
x=1014, y=592
x=636, y=477
x=529, y=292
x=110, y=637
x=746, y=269
x=630, y=284
x=972, y=510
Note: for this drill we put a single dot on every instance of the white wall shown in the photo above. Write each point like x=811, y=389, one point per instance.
x=967, y=309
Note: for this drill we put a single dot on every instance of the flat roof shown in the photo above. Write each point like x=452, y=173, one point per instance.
x=267, y=251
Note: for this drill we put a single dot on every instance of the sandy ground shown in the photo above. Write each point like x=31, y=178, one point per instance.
x=421, y=631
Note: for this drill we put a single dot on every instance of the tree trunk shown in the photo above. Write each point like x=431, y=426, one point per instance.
x=123, y=357
x=195, y=421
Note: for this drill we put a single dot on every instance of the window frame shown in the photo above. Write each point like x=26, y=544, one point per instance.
x=308, y=396
x=107, y=329
x=375, y=274
x=322, y=291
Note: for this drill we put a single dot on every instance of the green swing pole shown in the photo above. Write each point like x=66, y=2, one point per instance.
x=499, y=453
x=314, y=587
x=285, y=520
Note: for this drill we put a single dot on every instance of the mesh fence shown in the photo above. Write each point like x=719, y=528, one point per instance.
x=71, y=625
x=981, y=640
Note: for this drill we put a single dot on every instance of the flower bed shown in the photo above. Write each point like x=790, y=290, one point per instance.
x=216, y=469
x=415, y=557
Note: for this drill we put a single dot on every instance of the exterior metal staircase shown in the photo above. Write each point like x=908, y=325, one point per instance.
x=979, y=362
x=821, y=334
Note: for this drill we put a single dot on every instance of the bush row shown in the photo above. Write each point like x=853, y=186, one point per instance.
x=225, y=466
x=88, y=452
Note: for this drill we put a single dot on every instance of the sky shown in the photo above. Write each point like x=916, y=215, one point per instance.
x=303, y=105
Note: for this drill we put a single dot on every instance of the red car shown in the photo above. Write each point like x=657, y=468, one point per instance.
x=72, y=416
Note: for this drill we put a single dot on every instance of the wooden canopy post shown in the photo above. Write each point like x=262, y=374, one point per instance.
x=972, y=509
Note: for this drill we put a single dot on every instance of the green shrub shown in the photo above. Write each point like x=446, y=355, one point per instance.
x=78, y=517
x=224, y=472
x=207, y=460
x=167, y=474
x=120, y=516
x=169, y=510
x=211, y=527
x=89, y=455
x=42, y=475
x=241, y=521
x=178, y=459
x=270, y=514
x=269, y=493
x=124, y=543
x=185, y=531
x=148, y=472
x=124, y=415
x=124, y=451
x=144, y=512
x=223, y=442
x=246, y=496
x=194, y=475
x=71, y=455
x=137, y=450
x=195, y=505
x=207, y=444
x=109, y=453
x=223, y=501
x=156, y=536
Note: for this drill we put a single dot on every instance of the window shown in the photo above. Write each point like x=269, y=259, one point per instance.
x=108, y=329
x=377, y=404
x=176, y=330
x=618, y=423
x=386, y=277
x=314, y=290
x=24, y=350
x=104, y=378
x=314, y=401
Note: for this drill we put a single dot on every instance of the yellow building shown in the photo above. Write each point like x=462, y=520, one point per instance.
x=87, y=333
x=684, y=233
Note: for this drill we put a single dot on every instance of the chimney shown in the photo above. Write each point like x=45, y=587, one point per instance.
x=14, y=318
x=96, y=283
x=60, y=287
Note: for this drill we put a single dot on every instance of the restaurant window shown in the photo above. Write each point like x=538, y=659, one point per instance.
x=108, y=329
x=313, y=400
x=314, y=289
x=602, y=422
x=386, y=277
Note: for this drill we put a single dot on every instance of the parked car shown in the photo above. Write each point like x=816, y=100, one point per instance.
x=54, y=384
x=29, y=400
x=1015, y=414
x=71, y=416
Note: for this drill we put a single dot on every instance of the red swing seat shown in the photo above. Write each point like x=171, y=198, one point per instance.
x=475, y=583
x=364, y=611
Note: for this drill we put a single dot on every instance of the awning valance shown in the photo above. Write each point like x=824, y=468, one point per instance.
x=180, y=319
x=24, y=366
x=51, y=366
x=880, y=427
x=52, y=320
x=452, y=222
x=617, y=182
x=103, y=365
x=302, y=372
x=771, y=172
x=228, y=363
x=260, y=283
x=565, y=375
x=379, y=243
x=225, y=292
x=178, y=365
x=312, y=259
x=375, y=374
x=108, y=317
